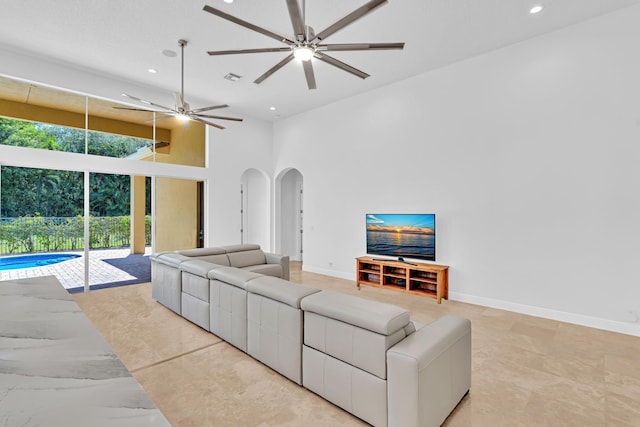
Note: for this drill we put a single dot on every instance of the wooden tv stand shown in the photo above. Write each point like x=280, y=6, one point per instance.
x=430, y=280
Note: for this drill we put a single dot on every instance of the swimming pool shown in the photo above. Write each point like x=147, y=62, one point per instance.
x=33, y=260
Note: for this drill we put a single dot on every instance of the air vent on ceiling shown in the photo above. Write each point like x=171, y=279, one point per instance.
x=232, y=77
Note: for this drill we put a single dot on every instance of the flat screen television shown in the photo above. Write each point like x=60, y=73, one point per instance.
x=402, y=235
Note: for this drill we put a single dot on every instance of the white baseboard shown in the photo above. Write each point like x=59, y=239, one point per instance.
x=325, y=272
x=628, y=328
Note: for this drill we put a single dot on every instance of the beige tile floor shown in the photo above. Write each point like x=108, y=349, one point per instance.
x=526, y=371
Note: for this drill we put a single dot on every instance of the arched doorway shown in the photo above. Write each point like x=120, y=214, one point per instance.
x=289, y=206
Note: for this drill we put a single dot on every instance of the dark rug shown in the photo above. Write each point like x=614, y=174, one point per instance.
x=139, y=266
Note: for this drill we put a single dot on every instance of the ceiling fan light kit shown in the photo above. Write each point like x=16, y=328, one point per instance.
x=182, y=111
x=303, y=53
x=305, y=44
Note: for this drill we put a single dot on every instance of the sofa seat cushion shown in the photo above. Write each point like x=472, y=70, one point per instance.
x=246, y=258
x=280, y=290
x=233, y=276
x=374, y=316
x=274, y=270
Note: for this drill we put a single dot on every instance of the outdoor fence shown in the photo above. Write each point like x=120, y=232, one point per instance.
x=30, y=234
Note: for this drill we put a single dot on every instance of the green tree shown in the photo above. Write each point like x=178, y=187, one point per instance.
x=60, y=193
x=110, y=194
x=20, y=133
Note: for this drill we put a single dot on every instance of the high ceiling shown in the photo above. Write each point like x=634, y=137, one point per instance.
x=124, y=38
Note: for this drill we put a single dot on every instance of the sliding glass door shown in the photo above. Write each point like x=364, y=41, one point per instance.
x=41, y=224
x=74, y=178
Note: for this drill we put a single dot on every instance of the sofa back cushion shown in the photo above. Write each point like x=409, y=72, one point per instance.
x=246, y=258
x=233, y=276
x=240, y=248
x=198, y=252
x=374, y=316
x=215, y=259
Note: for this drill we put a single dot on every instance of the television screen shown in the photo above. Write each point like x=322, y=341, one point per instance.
x=402, y=235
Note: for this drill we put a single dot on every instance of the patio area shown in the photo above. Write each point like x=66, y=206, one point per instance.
x=107, y=267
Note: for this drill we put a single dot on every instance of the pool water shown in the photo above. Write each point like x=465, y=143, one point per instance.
x=34, y=260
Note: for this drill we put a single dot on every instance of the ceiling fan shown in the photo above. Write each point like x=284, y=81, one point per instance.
x=306, y=44
x=182, y=110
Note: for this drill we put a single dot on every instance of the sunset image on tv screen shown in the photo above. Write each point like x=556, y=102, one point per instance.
x=402, y=235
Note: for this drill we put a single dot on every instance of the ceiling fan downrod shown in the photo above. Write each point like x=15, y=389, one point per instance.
x=182, y=43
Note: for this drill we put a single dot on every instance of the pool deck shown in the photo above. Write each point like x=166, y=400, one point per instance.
x=71, y=273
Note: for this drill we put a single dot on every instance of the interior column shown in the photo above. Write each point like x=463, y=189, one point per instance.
x=137, y=214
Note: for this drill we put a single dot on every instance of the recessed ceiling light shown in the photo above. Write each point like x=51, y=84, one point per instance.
x=272, y=108
x=170, y=53
x=152, y=70
x=228, y=1
x=536, y=9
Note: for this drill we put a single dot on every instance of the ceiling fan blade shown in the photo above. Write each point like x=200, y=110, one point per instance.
x=246, y=24
x=296, y=18
x=308, y=73
x=135, y=109
x=206, y=122
x=213, y=107
x=158, y=119
x=353, y=16
x=262, y=50
x=148, y=102
x=339, y=64
x=360, y=46
x=273, y=69
x=235, y=119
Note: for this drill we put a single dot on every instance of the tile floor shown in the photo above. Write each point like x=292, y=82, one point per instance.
x=71, y=273
x=527, y=371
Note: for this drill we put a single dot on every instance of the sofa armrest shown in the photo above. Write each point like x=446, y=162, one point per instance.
x=283, y=260
x=429, y=372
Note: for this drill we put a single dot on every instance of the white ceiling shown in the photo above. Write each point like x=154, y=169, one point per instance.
x=123, y=38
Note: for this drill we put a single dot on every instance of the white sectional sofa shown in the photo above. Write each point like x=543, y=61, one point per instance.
x=365, y=356
x=167, y=276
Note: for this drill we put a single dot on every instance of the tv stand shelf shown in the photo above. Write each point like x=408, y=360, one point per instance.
x=430, y=280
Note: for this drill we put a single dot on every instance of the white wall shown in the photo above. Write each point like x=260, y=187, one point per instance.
x=232, y=152
x=256, y=212
x=288, y=220
x=528, y=155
